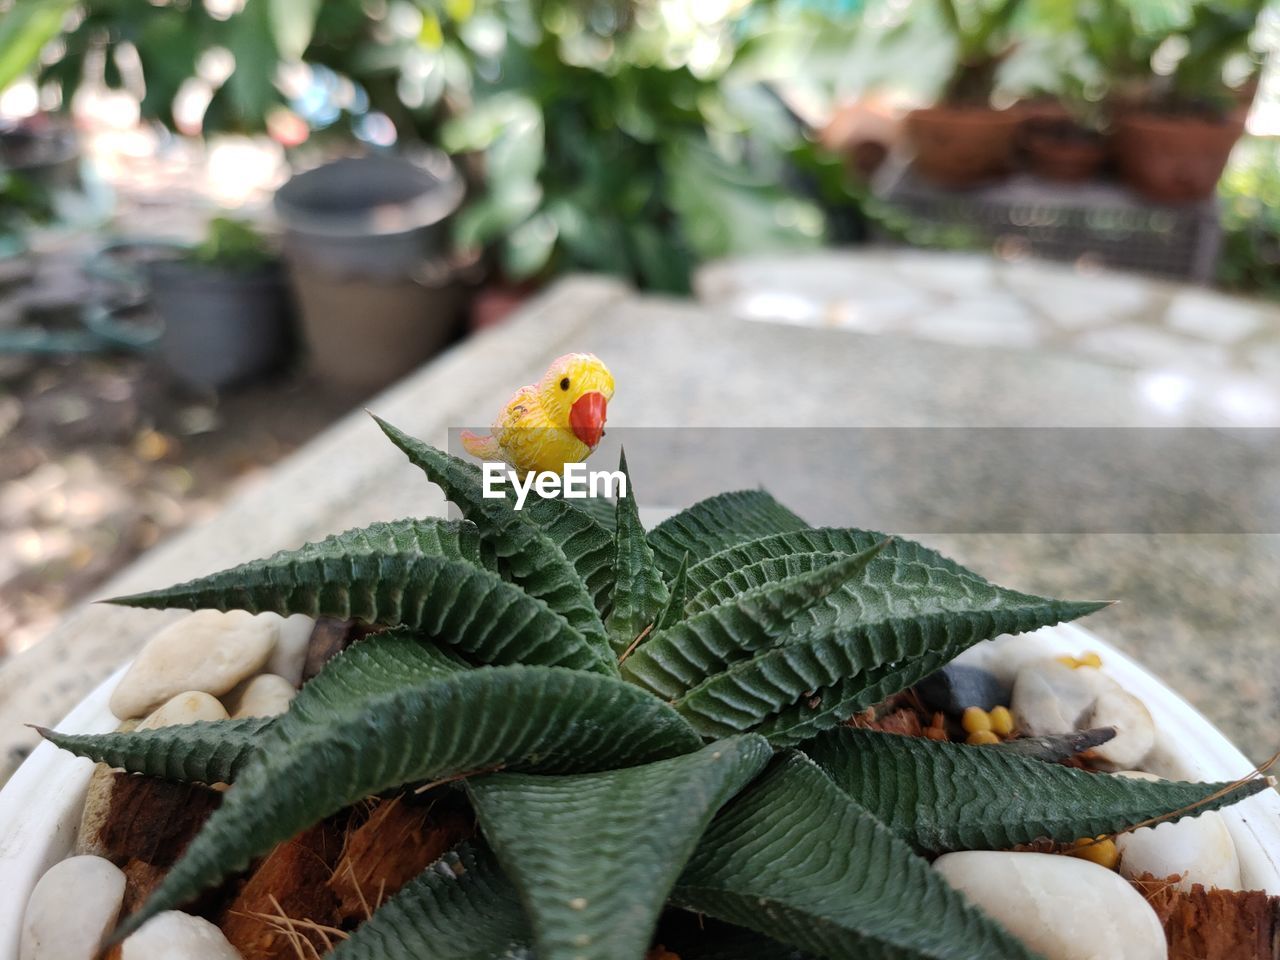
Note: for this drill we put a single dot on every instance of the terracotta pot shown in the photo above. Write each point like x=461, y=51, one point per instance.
x=962, y=146
x=1061, y=149
x=1173, y=159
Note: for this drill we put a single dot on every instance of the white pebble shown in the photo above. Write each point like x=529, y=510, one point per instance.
x=291, y=649
x=1135, y=730
x=185, y=708
x=1050, y=697
x=208, y=651
x=170, y=935
x=266, y=695
x=72, y=909
x=1196, y=849
x=1062, y=907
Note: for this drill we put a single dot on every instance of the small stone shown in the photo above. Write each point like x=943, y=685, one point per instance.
x=172, y=934
x=185, y=708
x=208, y=650
x=1196, y=849
x=1049, y=697
x=1063, y=908
x=266, y=695
x=956, y=687
x=1135, y=730
x=72, y=909
x=291, y=648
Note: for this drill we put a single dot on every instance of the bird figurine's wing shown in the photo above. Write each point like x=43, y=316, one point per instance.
x=517, y=416
x=485, y=447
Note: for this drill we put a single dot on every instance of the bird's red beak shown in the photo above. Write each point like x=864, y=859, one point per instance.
x=586, y=417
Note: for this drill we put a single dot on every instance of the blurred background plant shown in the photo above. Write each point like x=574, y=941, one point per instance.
x=1250, y=194
x=635, y=137
x=232, y=244
x=23, y=204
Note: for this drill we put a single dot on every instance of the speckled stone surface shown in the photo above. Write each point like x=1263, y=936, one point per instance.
x=1200, y=610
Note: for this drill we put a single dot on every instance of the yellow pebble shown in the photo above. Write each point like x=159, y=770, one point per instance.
x=1001, y=721
x=1103, y=851
x=1091, y=659
x=975, y=719
x=1068, y=661
x=981, y=738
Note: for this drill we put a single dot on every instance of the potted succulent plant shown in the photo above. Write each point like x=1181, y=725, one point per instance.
x=1174, y=142
x=224, y=307
x=962, y=141
x=559, y=732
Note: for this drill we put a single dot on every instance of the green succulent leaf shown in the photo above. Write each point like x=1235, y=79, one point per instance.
x=203, y=752
x=794, y=858
x=950, y=796
x=462, y=907
x=909, y=612
x=557, y=553
x=423, y=574
x=673, y=612
x=639, y=593
x=866, y=662
x=907, y=580
x=827, y=706
x=600, y=509
x=676, y=660
x=390, y=711
x=595, y=855
x=711, y=525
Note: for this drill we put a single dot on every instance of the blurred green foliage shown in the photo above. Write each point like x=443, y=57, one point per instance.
x=1250, y=204
x=23, y=204
x=636, y=137
x=598, y=155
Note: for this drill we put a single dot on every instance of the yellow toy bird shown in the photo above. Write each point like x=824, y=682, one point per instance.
x=558, y=420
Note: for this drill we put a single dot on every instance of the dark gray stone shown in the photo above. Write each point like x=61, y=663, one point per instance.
x=957, y=686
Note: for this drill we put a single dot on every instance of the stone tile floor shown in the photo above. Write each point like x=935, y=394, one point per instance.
x=1225, y=348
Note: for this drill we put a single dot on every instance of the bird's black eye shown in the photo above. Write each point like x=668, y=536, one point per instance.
x=564, y=384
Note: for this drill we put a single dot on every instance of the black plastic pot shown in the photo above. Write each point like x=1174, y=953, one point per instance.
x=220, y=326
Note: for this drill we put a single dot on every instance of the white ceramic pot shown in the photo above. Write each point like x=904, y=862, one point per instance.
x=40, y=807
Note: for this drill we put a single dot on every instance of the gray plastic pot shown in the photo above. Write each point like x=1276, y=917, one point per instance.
x=367, y=245
x=220, y=326
x=370, y=216
x=363, y=333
